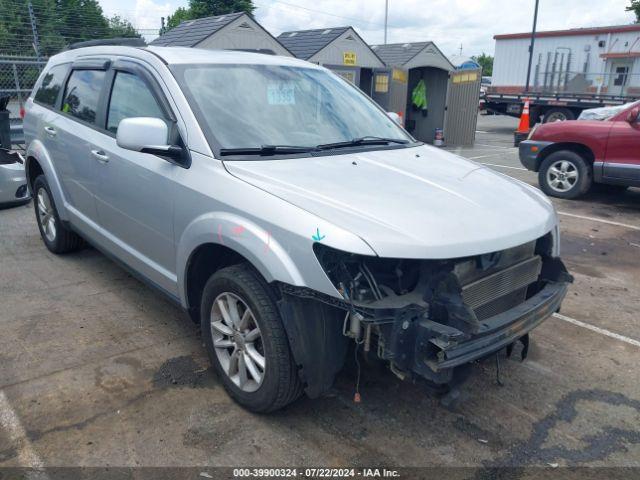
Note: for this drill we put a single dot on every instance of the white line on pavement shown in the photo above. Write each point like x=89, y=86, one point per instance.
x=599, y=330
x=486, y=156
x=495, y=146
x=601, y=220
x=10, y=423
x=501, y=166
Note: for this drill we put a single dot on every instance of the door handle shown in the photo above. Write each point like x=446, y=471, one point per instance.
x=50, y=131
x=100, y=156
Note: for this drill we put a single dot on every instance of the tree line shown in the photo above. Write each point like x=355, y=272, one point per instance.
x=58, y=23
x=207, y=8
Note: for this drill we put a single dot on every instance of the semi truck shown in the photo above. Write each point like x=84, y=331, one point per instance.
x=572, y=70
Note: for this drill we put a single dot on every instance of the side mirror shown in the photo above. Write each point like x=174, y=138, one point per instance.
x=633, y=115
x=149, y=135
x=395, y=117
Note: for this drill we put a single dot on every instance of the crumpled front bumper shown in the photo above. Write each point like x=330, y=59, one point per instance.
x=501, y=330
x=433, y=350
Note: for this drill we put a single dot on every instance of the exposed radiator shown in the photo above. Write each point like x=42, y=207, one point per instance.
x=501, y=290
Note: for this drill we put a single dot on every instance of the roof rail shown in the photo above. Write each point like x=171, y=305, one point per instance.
x=124, y=42
x=264, y=51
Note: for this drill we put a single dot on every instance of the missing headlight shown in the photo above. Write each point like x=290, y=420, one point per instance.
x=367, y=279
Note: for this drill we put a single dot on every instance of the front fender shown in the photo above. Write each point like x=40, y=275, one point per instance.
x=38, y=151
x=243, y=236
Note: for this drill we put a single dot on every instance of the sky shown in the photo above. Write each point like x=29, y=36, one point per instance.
x=451, y=24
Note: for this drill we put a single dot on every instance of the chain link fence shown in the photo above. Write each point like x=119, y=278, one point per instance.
x=18, y=74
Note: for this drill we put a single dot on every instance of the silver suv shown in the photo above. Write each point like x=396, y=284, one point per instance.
x=288, y=214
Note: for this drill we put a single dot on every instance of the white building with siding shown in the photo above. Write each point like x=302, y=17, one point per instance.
x=603, y=60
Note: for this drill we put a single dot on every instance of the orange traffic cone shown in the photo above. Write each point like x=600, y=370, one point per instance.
x=523, y=127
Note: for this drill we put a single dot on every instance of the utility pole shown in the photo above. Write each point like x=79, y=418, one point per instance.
x=533, y=42
x=34, y=30
x=386, y=18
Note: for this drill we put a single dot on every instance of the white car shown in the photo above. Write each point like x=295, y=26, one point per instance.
x=13, y=181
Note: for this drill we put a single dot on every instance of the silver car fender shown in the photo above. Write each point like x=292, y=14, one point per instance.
x=38, y=151
x=244, y=237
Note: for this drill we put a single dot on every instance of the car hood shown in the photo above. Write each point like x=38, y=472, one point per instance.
x=569, y=125
x=418, y=202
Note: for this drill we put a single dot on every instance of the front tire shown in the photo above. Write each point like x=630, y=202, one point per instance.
x=246, y=341
x=57, y=238
x=565, y=174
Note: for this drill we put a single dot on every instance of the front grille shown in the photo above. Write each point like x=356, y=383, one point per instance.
x=501, y=304
x=502, y=290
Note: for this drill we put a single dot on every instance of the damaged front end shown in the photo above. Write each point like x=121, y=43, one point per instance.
x=427, y=317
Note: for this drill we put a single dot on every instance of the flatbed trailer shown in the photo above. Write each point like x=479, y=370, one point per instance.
x=551, y=107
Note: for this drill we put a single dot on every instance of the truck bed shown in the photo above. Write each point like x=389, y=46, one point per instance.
x=511, y=103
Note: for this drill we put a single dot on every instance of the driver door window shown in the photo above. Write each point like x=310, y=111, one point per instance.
x=130, y=97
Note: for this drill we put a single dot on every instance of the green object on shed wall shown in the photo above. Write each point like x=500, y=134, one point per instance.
x=419, y=95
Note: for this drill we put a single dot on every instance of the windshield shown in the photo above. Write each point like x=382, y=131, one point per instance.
x=252, y=106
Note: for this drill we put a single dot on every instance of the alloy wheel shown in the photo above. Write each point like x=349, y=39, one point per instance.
x=237, y=341
x=46, y=216
x=562, y=176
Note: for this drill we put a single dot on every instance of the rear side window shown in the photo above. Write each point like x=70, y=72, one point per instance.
x=130, y=97
x=51, y=85
x=82, y=95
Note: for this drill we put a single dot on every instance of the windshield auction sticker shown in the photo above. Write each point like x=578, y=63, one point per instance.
x=281, y=93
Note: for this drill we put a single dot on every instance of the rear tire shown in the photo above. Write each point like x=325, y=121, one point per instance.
x=55, y=235
x=255, y=341
x=558, y=115
x=565, y=174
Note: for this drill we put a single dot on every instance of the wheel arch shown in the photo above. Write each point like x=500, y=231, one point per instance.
x=579, y=148
x=217, y=240
x=203, y=262
x=32, y=169
x=38, y=162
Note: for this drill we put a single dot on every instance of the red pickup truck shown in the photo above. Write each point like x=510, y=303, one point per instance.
x=570, y=156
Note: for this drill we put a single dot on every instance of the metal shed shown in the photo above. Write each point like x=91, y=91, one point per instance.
x=339, y=48
x=234, y=31
x=452, y=97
